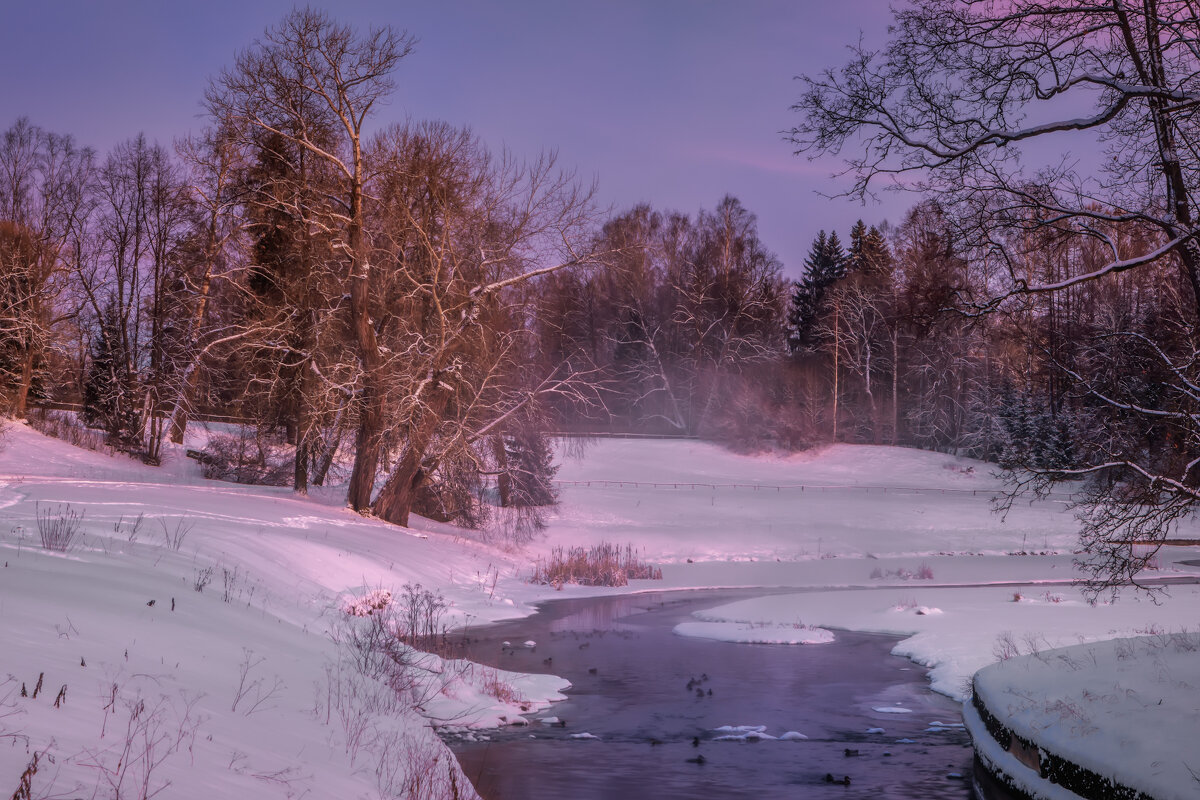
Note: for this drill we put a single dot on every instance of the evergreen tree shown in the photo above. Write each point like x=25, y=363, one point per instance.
x=531, y=468
x=825, y=265
x=1033, y=436
x=109, y=399
x=868, y=254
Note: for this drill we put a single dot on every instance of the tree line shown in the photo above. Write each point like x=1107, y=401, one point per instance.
x=398, y=302
x=416, y=309
x=1086, y=264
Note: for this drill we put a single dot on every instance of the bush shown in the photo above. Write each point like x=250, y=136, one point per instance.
x=603, y=565
x=67, y=427
x=759, y=412
x=248, y=457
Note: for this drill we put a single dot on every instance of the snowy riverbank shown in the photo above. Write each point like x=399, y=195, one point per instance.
x=243, y=685
x=1109, y=719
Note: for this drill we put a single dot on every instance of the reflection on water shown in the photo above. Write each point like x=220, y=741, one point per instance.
x=654, y=700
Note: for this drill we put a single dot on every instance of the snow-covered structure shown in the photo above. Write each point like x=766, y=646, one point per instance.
x=1112, y=720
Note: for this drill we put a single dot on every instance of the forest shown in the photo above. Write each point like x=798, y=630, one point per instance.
x=413, y=311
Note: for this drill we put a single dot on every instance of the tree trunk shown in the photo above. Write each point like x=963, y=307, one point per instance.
x=330, y=450
x=397, y=496
x=22, y=398
x=503, y=479
x=895, y=388
x=300, y=472
x=179, y=412
x=837, y=346
x=370, y=421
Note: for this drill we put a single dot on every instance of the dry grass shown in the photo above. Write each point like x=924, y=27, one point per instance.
x=58, y=528
x=605, y=564
x=501, y=690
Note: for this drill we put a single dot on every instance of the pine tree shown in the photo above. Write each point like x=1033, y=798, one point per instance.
x=825, y=265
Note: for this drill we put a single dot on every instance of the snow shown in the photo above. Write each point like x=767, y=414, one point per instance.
x=755, y=633
x=753, y=736
x=1118, y=708
x=895, y=493
x=977, y=623
x=892, y=710
x=739, y=729
x=1000, y=760
x=746, y=733
x=247, y=687
x=252, y=681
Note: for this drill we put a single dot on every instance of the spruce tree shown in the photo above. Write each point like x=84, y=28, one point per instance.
x=531, y=469
x=868, y=254
x=825, y=265
x=108, y=400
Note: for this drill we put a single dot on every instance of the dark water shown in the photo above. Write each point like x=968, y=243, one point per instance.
x=639, y=695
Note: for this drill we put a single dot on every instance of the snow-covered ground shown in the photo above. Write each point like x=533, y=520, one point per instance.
x=248, y=688
x=1123, y=710
x=208, y=650
x=855, y=501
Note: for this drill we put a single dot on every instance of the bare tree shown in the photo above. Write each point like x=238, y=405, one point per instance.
x=212, y=161
x=634, y=324
x=306, y=76
x=43, y=205
x=460, y=236
x=729, y=301
x=947, y=105
x=126, y=272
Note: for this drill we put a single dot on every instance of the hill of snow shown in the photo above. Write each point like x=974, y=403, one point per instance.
x=208, y=648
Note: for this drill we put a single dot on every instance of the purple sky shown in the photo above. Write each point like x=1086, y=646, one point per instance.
x=672, y=102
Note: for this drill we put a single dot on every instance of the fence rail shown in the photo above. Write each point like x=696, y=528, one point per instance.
x=618, y=484
x=197, y=417
x=236, y=420
x=802, y=487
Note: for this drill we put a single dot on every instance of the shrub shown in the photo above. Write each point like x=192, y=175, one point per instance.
x=603, y=565
x=247, y=458
x=369, y=603
x=419, y=619
x=59, y=528
x=412, y=617
x=67, y=427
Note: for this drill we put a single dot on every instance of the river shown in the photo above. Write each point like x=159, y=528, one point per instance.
x=655, y=700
